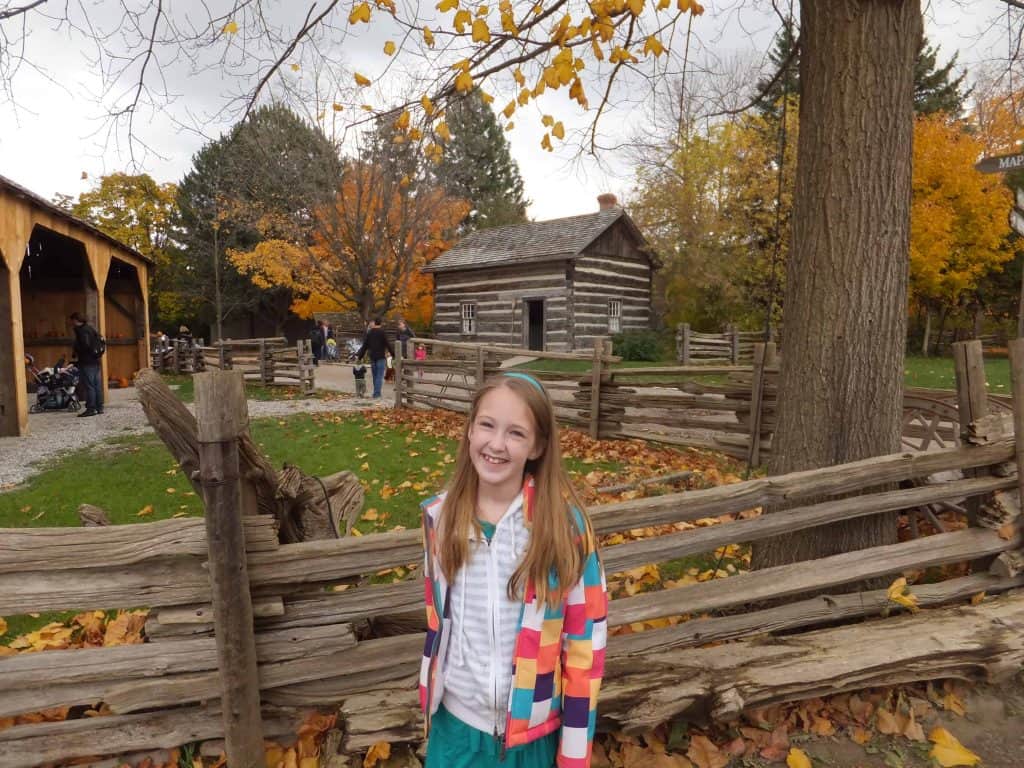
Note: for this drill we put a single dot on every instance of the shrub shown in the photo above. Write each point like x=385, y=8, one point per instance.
x=638, y=345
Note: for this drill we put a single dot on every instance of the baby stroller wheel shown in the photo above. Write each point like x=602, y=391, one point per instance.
x=35, y=408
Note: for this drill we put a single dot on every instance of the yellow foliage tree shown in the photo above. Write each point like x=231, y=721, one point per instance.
x=366, y=249
x=958, y=220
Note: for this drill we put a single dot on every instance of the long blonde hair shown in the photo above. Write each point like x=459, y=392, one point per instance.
x=555, y=546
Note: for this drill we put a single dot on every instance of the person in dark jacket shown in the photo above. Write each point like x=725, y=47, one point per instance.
x=378, y=346
x=86, y=351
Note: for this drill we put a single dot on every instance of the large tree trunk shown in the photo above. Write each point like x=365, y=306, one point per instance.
x=841, y=384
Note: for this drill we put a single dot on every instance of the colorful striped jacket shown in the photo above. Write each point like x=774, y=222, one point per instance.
x=559, y=658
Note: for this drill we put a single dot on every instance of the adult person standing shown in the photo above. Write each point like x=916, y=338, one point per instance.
x=87, y=350
x=316, y=340
x=378, y=346
x=404, y=334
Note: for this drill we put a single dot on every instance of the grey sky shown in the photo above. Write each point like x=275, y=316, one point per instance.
x=56, y=130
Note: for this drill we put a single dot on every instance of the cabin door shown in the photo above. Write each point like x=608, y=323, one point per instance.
x=535, y=324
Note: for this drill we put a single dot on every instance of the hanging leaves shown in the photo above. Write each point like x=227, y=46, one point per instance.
x=361, y=80
x=389, y=48
x=360, y=13
x=231, y=28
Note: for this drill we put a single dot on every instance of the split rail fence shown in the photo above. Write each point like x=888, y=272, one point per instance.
x=245, y=635
x=270, y=361
x=726, y=408
x=732, y=346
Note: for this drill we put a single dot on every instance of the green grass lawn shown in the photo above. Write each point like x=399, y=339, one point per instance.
x=938, y=373
x=185, y=390
x=928, y=372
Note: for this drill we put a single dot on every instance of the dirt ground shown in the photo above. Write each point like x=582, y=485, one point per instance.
x=992, y=728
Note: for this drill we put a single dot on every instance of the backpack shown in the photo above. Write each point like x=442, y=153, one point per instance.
x=97, y=344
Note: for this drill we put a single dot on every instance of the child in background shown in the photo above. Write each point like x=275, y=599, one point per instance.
x=515, y=593
x=359, y=372
x=420, y=353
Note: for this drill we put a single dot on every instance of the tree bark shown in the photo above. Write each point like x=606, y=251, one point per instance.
x=841, y=384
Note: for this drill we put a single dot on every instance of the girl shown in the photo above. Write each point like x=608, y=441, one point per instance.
x=515, y=592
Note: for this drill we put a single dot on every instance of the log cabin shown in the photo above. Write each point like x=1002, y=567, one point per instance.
x=53, y=264
x=552, y=285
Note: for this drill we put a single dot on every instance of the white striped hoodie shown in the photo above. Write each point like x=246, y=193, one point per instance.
x=477, y=667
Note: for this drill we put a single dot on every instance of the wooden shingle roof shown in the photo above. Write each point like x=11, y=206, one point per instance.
x=37, y=201
x=529, y=242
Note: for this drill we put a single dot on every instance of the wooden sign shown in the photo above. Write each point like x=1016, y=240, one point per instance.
x=1000, y=163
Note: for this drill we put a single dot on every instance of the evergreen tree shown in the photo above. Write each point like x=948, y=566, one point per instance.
x=934, y=91
x=786, y=83
x=258, y=182
x=477, y=166
x=935, y=88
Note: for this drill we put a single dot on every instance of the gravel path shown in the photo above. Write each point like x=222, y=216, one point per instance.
x=56, y=433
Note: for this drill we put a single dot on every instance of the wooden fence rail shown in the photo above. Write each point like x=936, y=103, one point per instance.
x=270, y=361
x=357, y=650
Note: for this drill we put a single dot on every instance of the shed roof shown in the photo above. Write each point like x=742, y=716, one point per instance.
x=531, y=241
x=40, y=202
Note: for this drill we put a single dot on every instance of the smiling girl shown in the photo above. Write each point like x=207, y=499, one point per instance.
x=515, y=593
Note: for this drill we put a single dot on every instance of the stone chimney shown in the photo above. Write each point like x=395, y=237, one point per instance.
x=607, y=202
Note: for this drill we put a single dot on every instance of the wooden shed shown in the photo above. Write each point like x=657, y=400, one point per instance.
x=53, y=264
x=546, y=285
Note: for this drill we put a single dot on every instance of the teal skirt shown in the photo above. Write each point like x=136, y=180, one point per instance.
x=454, y=744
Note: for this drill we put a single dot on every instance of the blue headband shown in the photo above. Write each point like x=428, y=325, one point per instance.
x=524, y=377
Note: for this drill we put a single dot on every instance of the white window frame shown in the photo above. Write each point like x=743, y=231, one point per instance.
x=614, y=315
x=467, y=314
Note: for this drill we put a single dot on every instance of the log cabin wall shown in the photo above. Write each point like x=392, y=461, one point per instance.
x=499, y=295
x=55, y=264
x=612, y=268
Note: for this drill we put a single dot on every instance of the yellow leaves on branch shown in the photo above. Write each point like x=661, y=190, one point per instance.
x=361, y=80
x=389, y=48
x=653, y=46
x=441, y=129
x=462, y=18
x=447, y=5
x=481, y=33
x=359, y=13
x=948, y=752
x=231, y=28
x=428, y=37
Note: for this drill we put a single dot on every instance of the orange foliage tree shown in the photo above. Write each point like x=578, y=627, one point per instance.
x=958, y=220
x=366, y=249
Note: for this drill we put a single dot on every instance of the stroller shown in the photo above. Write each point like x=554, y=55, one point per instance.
x=55, y=387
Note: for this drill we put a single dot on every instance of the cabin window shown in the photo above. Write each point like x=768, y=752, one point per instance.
x=469, y=318
x=615, y=316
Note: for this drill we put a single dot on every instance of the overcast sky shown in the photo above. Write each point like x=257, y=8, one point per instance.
x=55, y=131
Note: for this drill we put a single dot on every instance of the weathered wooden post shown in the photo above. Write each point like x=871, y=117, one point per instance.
x=756, y=396
x=481, y=359
x=307, y=371
x=595, y=387
x=683, y=343
x=398, y=375
x=224, y=355
x=734, y=344
x=972, y=402
x=176, y=356
x=221, y=417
